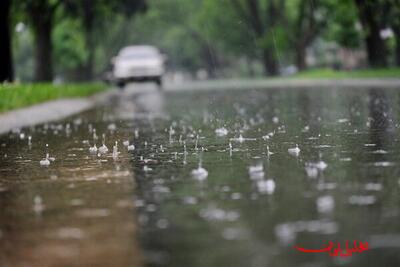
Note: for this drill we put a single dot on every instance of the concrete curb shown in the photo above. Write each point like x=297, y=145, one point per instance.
x=49, y=111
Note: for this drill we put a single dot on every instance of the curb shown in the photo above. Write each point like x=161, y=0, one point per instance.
x=49, y=111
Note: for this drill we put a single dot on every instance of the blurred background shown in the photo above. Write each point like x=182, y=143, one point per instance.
x=74, y=40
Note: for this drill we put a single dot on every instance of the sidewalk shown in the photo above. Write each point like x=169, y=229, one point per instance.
x=48, y=111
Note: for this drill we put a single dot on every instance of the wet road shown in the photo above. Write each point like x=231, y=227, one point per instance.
x=216, y=178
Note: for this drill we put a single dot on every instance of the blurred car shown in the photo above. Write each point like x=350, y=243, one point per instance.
x=138, y=64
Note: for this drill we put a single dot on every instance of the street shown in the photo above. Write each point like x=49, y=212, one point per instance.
x=206, y=178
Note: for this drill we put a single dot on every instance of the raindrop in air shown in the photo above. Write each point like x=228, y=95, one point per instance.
x=46, y=161
x=93, y=149
x=311, y=170
x=221, y=131
x=29, y=141
x=269, y=153
x=241, y=139
x=325, y=204
x=38, y=206
x=131, y=147
x=115, y=150
x=256, y=172
x=266, y=186
x=294, y=151
x=103, y=149
x=200, y=173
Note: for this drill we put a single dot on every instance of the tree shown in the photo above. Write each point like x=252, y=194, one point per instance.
x=173, y=26
x=307, y=24
x=262, y=19
x=232, y=44
x=396, y=29
x=342, y=27
x=266, y=29
x=186, y=17
x=93, y=15
x=6, y=69
x=40, y=14
x=70, y=52
x=371, y=14
x=394, y=22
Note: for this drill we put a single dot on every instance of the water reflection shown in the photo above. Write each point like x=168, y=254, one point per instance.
x=227, y=220
x=254, y=204
x=381, y=118
x=78, y=211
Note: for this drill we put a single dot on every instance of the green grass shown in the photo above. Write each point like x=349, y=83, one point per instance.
x=334, y=74
x=13, y=96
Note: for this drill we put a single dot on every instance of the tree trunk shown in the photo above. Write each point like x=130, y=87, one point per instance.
x=6, y=69
x=43, y=47
x=251, y=13
x=209, y=59
x=270, y=64
x=90, y=60
x=301, y=57
x=88, y=20
x=208, y=54
x=397, y=55
x=302, y=32
x=376, y=48
x=250, y=68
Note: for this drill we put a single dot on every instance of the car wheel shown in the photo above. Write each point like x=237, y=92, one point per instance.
x=159, y=83
x=121, y=85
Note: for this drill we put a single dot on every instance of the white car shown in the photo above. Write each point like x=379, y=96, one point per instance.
x=137, y=64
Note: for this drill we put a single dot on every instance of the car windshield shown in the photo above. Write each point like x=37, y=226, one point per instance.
x=138, y=54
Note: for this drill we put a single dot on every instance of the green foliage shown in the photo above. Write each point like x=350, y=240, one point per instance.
x=276, y=39
x=14, y=96
x=227, y=28
x=69, y=44
x=174, y=27
x=23, y=59
x=343, y=26
x=196, y=34
x=77, y=28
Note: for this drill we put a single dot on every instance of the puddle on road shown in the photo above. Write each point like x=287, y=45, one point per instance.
x=215, y=179
x=79, y=210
